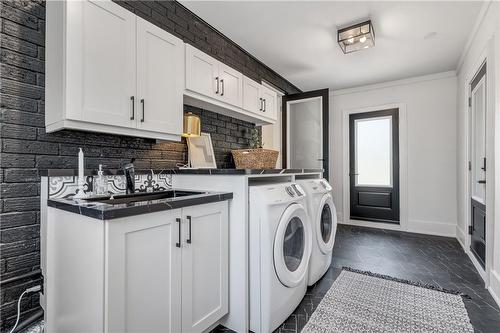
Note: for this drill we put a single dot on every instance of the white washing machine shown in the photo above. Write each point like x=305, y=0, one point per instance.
x=323, y=217
x=280, y=241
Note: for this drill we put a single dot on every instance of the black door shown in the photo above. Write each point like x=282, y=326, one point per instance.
x=305, y=131
x=374, y=166
x=478, y=231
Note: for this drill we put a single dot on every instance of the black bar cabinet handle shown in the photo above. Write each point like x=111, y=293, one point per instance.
x=132, y=98
x=260, y=104
x=264, y=105
x=222, y=83
x=142, y=102
x=189, y=226
x=217, y=79
x=178, y=244
x=481, y=181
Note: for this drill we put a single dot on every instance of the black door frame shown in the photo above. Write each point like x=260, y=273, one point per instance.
x=324, y=94
x=372, y=193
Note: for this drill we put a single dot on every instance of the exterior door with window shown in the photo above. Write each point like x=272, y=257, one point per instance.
x=374, y=166
x=477, y=229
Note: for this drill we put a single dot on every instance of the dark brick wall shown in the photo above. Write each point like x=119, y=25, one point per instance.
x=25, y=147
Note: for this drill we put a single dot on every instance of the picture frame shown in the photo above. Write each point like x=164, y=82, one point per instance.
x=201, y=152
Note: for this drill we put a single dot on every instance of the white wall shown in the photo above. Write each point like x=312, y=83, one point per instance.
x=431, y=151
x=485, y=41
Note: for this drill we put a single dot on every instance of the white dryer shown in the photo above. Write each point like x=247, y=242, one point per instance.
x=323, y=217
x=280, y=247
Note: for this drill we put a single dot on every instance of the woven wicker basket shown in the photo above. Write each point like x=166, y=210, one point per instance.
x=255, y=158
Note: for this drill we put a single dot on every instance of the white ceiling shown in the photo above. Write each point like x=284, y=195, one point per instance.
x=298, y=38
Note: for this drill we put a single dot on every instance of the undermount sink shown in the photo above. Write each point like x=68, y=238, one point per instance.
x=135, y=197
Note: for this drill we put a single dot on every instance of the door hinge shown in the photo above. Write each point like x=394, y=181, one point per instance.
x=470, y=165
x=470, y=102
x=471, y=229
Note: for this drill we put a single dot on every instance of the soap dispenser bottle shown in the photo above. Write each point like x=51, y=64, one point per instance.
x=101, y=183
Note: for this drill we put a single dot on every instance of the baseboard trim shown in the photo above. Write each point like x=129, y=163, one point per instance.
x=461, y=237
x=432, y=228
x=414, y=226
x=494, y=287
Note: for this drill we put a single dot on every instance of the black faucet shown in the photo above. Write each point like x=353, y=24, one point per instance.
x=128, y=170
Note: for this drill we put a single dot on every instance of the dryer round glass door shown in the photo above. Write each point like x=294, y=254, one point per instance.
x=326, y=226
x=292, y=246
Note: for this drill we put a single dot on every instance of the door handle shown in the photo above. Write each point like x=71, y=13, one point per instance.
x=222, y=90
x=178, y=220
x=260, y=99
x=482, y=181
x=484, y=164
x=264, y=100
x=189, y=227
x=217, y=80
x=132, y=98
x=320, y=159
x=142, y=102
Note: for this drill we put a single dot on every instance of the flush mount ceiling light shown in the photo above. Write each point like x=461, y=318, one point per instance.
x=356, y=37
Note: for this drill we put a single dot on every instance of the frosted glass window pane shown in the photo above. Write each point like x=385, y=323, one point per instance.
x=373, y=151
x=479, y=140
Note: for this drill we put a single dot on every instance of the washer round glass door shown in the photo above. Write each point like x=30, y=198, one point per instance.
x=292, y=246
x=326, y=226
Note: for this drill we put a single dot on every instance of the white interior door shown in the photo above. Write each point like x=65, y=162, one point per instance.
x=160, y=79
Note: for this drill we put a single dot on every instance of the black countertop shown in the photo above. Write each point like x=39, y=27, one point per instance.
x=243, y=171
x=74, y=172
x=104, y=211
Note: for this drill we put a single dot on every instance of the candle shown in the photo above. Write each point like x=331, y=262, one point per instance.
x=81, y=167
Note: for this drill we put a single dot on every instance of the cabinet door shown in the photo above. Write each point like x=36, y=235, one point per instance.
x=160, y=79
x=143, y=273
x=100, y=62
x=205, y=263
x=231, y=85
x=202, y=72
x=270, y=103
x=251, y=96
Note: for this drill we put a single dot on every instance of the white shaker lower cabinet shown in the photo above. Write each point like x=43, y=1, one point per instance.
x=165, y=271
x=109, y=71
x=205, y=269
x=143, y=274
x=168, y=271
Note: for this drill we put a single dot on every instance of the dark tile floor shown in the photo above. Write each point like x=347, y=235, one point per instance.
x=440, y=261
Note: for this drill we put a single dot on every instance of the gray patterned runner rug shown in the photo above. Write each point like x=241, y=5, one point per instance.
x=366, y=302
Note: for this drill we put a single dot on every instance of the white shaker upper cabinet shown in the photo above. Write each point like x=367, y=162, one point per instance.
x=202, y=72
x=251, y=96
x=205, y=260
x=231, y=85
x=109, y=71
x=160, y=79
x=143, y=273
x=209, y=77
x=100, y=48
x=269, y=103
